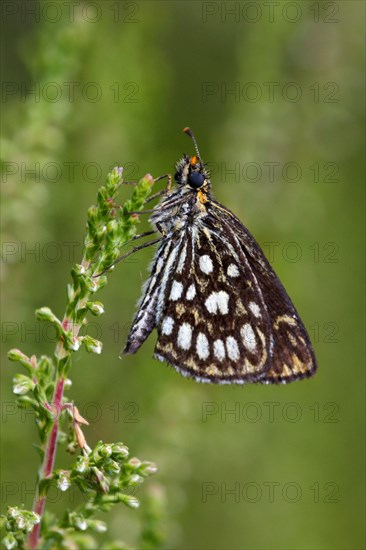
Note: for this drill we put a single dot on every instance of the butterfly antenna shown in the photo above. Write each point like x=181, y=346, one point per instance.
x=189, y=132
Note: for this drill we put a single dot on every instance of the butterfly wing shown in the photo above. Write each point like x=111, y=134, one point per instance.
x=292, y=355
x=221, y=313
x=214, y=325
x=145, y=318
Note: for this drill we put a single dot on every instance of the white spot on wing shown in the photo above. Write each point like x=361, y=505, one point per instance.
x=206, y=264
x=219, y=350
x=202, y=347
x=233, y=270
x=176, y=291
x=232, y=348
x=191, y=292
x=185, y=336
x=218, y=302
x=167, y=326
x=254, y=308
x=248, y=337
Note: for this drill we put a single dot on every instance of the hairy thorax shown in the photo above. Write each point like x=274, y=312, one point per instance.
x=178, y=210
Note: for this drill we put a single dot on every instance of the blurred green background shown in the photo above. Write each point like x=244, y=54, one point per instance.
x=274, y=93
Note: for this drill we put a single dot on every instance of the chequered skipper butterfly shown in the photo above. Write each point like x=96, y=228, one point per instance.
x=221, y=313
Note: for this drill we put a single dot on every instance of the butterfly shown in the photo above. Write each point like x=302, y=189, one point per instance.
x=221, y=313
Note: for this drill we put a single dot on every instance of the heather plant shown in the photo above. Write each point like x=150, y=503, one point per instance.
x=107, y=474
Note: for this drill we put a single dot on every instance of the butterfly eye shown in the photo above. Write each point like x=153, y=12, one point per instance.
x=195, y=180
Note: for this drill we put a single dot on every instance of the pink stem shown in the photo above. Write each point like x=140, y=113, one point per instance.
x=48, y=461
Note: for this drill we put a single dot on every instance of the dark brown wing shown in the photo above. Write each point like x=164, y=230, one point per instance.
x=292, y=356
x=213, y=325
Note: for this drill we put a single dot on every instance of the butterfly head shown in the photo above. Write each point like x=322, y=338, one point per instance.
x=190, y=170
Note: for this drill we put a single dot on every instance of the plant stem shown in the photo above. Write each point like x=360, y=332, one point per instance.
x=51, y=444
x=99, y=250
x=48, y=461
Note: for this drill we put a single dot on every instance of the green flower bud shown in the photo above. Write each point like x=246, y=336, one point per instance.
x=92, y=218
x=114, y=179
x=20, y=523
x=134, y=463
x=10, y=542
x=63, y=480
x=33, y=518
x=112, y=227
x=70, y=292
x=111, y=466
x=81, y=523
x=96, y=308
x=135, y=479
x=13, y=511
x=92, y=345
x=130, y=501
x=117, y=173
x=147, y=469
x=92, y=285
x=119, y=451
x=105, y=450
x=97, y=525
x=17, y=355
x=79, y=269
x=22, y=384
x=101, y=479
x=45, y=314
x=73, y=342
x=82, y=464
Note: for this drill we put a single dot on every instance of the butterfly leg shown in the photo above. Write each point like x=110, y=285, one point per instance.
x=166, y=190
x=145, y=234
x=135, y=249
x=142, y=212
x=155, y=196
x=168, y=182
x=163, y=191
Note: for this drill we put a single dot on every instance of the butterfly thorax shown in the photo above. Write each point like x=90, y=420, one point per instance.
x=186, y=203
